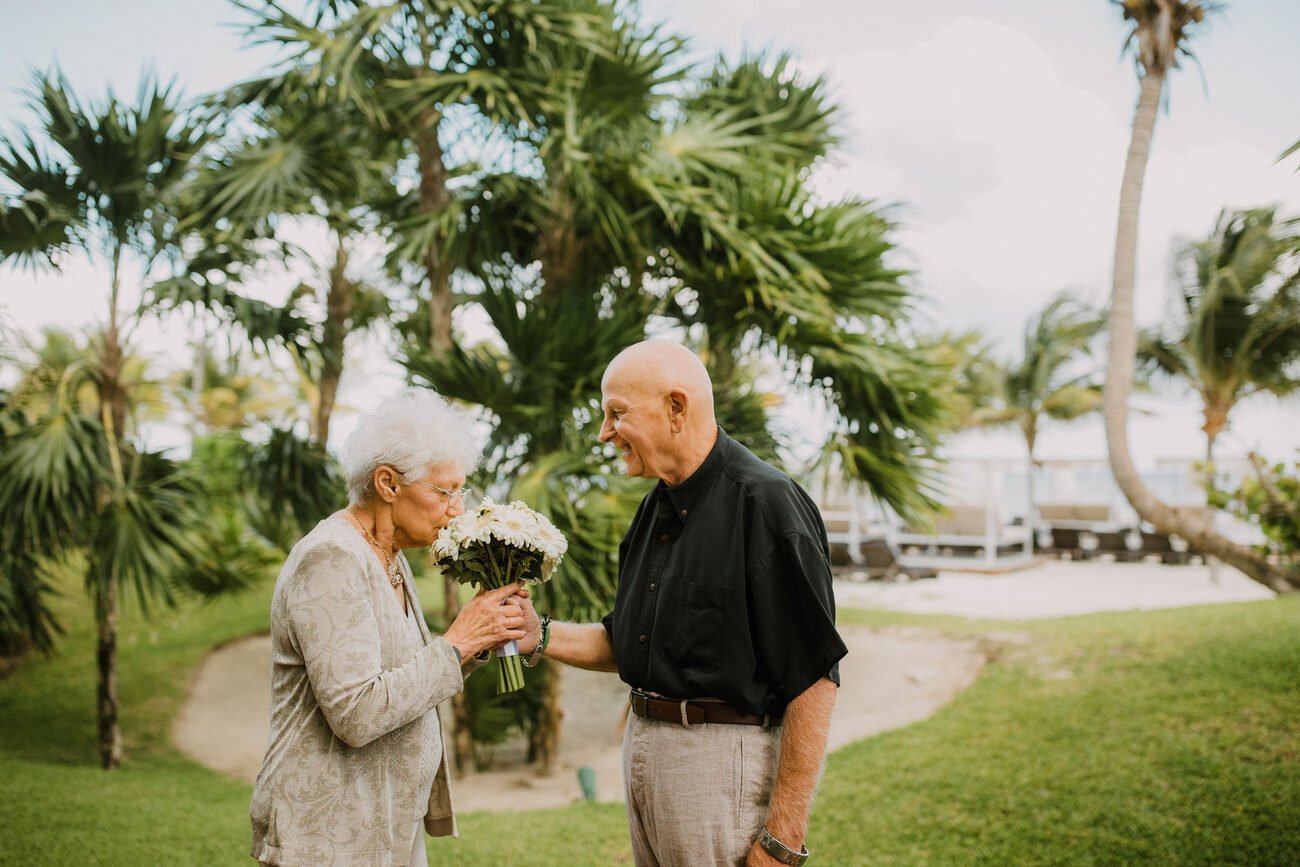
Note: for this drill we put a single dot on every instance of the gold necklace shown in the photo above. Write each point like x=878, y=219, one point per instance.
x=391, y=567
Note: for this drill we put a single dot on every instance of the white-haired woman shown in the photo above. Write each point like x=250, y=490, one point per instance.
x=354, y=768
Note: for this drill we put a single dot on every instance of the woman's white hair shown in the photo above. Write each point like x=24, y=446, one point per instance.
x=413, y=431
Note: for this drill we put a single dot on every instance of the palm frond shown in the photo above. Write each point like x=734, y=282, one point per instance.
x=25, y=595
x=297, y=483
x=1233, y=326
x=51, y=474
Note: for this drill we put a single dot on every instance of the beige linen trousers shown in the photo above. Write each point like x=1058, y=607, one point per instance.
x=696, y=795
x=354, y=761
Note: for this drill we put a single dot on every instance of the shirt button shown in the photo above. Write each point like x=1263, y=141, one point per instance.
x=663, y=537
x=643, y=638
x=652, y=588
x=683, y=513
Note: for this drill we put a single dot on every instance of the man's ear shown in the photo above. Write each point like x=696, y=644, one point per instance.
x=678, y=404
x=387, y=481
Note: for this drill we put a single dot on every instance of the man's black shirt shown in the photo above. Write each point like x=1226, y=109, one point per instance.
x=724, y=588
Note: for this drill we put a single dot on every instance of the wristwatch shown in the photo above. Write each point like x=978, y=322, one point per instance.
x=780, y=851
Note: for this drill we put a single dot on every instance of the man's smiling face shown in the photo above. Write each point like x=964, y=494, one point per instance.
x=636, y=423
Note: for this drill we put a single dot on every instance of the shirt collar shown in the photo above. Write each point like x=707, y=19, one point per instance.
x=687, y=495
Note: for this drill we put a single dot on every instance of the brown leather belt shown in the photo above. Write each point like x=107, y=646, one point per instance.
x=696, y=712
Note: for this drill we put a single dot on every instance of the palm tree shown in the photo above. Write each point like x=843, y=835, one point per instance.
x=102, y=183
x=1232, y=329
x=640, y=202
x=1044, y=383
x=428, y=76
x=306, y=156
x=1159, y=36
x=417, y=69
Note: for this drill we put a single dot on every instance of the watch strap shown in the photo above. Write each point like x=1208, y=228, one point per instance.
x=780, y=851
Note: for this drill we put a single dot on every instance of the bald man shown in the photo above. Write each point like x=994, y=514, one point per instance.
x=723, y=626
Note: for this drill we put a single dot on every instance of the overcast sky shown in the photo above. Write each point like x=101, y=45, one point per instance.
x=997, y=128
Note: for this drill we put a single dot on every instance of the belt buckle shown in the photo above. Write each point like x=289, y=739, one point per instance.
x=640, y=703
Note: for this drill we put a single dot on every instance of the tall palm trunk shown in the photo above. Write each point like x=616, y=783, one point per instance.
x=462, y=735
x=112, y=406
x=560, y=255
x=338, y=310
x=560, y=248
x=1216, y=420
x=544, y=739
x=1031, y=508
x=1121, y=359
x=434, y=199
x=110, y=732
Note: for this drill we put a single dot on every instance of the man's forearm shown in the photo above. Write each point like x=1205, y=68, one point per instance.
x=582, y=645
x=803, y=747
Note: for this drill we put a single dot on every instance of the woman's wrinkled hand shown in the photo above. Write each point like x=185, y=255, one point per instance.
x=489, y=620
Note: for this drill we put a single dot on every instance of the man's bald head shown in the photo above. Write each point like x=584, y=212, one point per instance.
x=658, y=403
x=655, y=367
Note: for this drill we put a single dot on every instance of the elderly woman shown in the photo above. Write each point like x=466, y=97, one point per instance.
x=354, y=766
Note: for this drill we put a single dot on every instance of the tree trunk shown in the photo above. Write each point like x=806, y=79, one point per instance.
x=1210, y=435
x=462, y=735
x=1031, y=512
x=338, y=312
x=559, y=249
x=722, y=361
x=1216, y=419
x=112, y=399
x=110, y=732
x=199, y=379
x=544, y=741
x=1120, y=364
x=112, y=409
x=434, y=199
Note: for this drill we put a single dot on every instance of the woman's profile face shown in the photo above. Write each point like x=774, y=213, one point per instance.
x=425, y=506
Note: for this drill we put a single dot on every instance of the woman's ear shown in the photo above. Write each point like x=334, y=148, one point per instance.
x=387, y=482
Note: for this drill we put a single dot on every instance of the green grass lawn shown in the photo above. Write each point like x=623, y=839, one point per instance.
x=1144, y=738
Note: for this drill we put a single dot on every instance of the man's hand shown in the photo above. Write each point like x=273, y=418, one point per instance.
x=532, y=623
x=803, y=747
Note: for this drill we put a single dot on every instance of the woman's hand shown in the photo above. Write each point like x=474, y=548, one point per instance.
x=489, y=620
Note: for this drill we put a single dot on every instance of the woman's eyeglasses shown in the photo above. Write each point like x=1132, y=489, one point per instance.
x=458, y=494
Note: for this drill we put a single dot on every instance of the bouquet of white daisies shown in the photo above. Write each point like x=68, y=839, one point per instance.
x=494, y=545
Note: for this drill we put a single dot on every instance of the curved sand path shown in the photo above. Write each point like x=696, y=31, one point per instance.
x=891, y=677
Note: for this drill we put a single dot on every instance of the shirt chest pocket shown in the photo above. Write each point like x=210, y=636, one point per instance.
x=696, y=621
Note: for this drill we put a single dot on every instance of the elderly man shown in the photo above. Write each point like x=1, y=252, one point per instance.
x=723, y=625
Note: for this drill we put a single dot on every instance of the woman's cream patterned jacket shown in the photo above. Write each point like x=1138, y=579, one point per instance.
x=355, y=757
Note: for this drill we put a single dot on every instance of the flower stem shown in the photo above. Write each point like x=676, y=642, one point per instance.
x=510, y=674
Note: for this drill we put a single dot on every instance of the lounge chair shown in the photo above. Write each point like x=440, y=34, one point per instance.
x=842, y=537
x=880, y=561
x=1075, y=516
x=968, y=531
x=1064, y=541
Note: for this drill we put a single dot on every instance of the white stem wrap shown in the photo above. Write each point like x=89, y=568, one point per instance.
x=510, y=648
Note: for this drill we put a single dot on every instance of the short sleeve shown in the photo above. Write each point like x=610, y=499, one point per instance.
x=793, y=614
x=608, y=622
